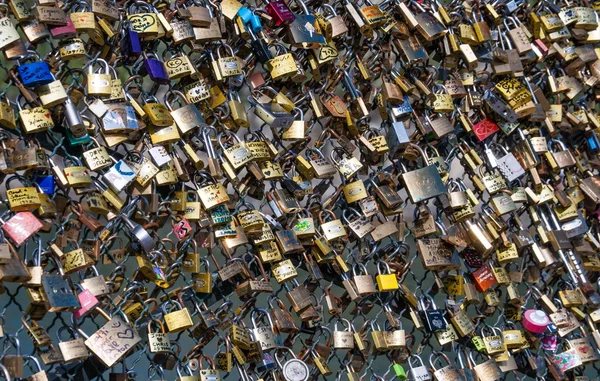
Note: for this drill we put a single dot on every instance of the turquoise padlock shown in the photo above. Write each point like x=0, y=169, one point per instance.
x=245, y=14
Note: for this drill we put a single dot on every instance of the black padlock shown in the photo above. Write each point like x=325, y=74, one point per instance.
x=433, y=317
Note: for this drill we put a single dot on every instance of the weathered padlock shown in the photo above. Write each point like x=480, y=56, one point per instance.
x=74, y=349
x=447, y=372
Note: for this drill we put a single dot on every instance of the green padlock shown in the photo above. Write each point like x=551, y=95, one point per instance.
x=478, y=343
x=77, y=141
x=399, y=370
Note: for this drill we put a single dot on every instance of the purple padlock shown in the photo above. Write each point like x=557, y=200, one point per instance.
x=156, y=70
x=131, y=47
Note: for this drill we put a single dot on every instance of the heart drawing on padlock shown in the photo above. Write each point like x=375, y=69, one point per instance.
x=127, y=334
x=141, y=23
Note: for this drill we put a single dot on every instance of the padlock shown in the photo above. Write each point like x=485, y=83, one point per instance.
x=74, y=349
x=343, y=339
x=282, y=318
x=333, y=229
x=99, y=83
x=274, y=114
x=187, y=117
x=155, y=68
x=23, y=198
x=563, y=158
x=433, y=317
x=416, y=179
x=228, y=65
x=385, y=282
x=447, y=372
x=359, y=226
x=494, y=343
x=347, y=165
x=363, y=282
x=280, y=12
x=236, y=152
x=36, y=119
x=177, y=318
x=489, y=369
x=303, y=29
x=36, y=73
x=266, y=336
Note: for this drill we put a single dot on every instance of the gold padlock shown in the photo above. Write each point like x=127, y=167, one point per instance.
x=157, y=113
x=22, y=199
x=99, y=83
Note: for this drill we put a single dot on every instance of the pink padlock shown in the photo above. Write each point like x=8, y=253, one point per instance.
x=549, y=343
x=182, y=228
x=535, y=321
x=279, y=12
x=21, y=227
x=88, y=302
x=64, y=31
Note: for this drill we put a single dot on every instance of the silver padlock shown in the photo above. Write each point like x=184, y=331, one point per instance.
x=139, y=234
x=266, y=336
x=119, y=176
x=508, y=164
x=417, y=371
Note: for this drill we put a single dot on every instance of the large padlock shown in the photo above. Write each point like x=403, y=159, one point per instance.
x=74, y=349
x=22, y=198
x=177, y=318
x=343, y=339
x=304, y=31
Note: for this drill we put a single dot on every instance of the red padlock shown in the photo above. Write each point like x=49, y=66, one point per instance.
x=485, y=128
x=483, y=278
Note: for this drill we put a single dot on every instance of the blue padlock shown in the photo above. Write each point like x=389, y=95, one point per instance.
x=156, y=70
x=593, y=144
x=46, y=183
x=255, y=23
x=34, y=74
x=245, y=14
x=131, y=47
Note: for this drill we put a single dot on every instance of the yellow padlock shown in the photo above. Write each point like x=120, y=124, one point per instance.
x=386, y=282
x=23, y=198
